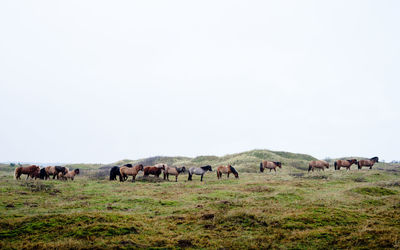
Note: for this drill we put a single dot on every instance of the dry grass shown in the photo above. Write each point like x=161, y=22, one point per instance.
x=289, y=209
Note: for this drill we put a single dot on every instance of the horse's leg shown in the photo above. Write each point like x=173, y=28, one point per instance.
x=133, y=178
x=201, y=177
x=275, y=170
x=228, y=175
x=189, y=177
x=176, y=178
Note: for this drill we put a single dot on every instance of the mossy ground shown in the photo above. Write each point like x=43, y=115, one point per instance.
x=356, y=209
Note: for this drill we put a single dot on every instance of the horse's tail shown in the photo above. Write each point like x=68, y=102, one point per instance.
x=309, y=167
x=261, y=167
x=335, y=165
x=16, y=172
x=189, y=177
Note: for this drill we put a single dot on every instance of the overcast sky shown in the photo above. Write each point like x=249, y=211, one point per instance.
x=100, y=81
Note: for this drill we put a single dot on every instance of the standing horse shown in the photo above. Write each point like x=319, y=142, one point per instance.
x=226, y=170
x=317, y=164
x=152, y=170
x=54, y=171
x=126, y=171
x=368, y=163
x=173, y=171
x=344, y=164
x=114, y=172
x=29, y=171
x=198, y=171
x=270, y=165
x=69, y=174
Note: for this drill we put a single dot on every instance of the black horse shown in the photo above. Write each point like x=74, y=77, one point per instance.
x=60, y=169
x=43, y=174
x=114, y=172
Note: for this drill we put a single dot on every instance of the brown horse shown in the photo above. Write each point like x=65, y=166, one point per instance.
x=317, y=164
x=126, y=171
x=173, y=171
x=226, y=170
x=270, y=165
x=344, y=164
x=368, y=163
x=152, y=170
x=69, y=174
x=30, y=171
x=55, y=170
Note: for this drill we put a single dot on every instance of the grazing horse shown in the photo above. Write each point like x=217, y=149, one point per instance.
x=368, y=163
x=344, y=164
x=29, y=171
x=54, y=171
x=198, y=171
x=173, y=171
x=152, y=170
x=270, y=165
x=69, y=174
x=226, y=170
x=126, y=171
x=317, y=164
x=114, y=172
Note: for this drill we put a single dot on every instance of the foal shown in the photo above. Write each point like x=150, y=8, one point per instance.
x=69, y=175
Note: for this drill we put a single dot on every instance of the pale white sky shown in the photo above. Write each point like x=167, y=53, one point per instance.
x=100, y=81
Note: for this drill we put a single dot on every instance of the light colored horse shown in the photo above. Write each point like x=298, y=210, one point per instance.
x=368, y=163
x=198, y=171
x=344, y=164
x=270, y=165
x=226, y=170
x=173, y=171
x=126, y=171
x=69, y=175
x=317, y=164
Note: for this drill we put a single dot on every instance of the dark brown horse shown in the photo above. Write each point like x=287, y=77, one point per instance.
x=318, y=165
x=226, y=170
x=368, y=163
x=30, y=171
x=152, y=170
x=344, y=164
x=270, y=165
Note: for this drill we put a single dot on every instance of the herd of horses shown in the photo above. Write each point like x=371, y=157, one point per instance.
x=127, y=170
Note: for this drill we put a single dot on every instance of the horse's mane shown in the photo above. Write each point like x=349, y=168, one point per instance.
x=233, y=169
x=375, y=158
x=205, y=167
x=128, y=165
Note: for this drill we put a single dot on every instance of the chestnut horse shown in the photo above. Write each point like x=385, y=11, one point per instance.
x=173, y=171
x=126, y=171
x=54, y=171
x=270, y=165
x=226, y=170
x=344, y=164
x=30, y=171
x=318, y=164
x=368, y=163
x=152, y=170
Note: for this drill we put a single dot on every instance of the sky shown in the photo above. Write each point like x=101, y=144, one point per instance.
x=100, y=81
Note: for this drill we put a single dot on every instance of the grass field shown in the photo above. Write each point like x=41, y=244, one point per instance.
x=289, y=209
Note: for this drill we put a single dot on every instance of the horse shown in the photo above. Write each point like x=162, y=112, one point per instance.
x=153, y=170
x=198, y=171
x=318, y=165
x=173, y=171
x=50, y=170
x=367, y=163
x=344, y=163
x=226, y=170
x=69, y=174
x=270, y=165
x=114, y=172
x=29, y=171
x=126, y=171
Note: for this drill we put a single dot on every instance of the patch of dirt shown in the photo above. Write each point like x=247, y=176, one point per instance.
x=207, y=216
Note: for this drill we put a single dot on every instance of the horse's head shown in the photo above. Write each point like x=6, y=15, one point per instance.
x=353, y=161
x=207, y=168
x=76, y=171
x=183, y=169
x=140, y=167
x=279, y=164
x=375, y=159
x=233, y=170
x=162, y=167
